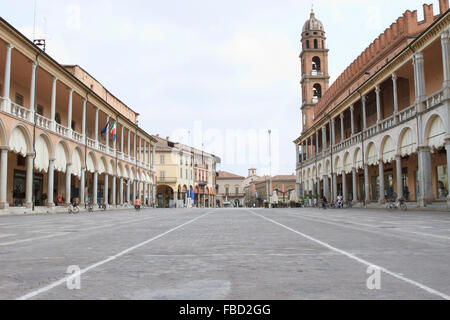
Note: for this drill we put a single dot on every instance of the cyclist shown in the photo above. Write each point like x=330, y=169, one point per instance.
x=137, y=204
x=339, y=201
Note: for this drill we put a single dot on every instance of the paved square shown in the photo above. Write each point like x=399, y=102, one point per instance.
x=227, y=254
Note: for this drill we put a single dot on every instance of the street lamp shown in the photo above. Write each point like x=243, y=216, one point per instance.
x=270, y=163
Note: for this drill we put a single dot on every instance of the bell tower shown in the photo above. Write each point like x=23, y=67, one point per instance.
x=314, y=66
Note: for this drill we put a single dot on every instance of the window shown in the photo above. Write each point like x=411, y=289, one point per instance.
x=316, y=64
x=40, y=110
x=19, y=99
x=317, y=91
x=227, y=190
x=162, y=159
x=181, y=173
x=442, y=182
x=58, y=118
x=307, y=44
x=315, y=44
x=20, y=161
x=237, y=190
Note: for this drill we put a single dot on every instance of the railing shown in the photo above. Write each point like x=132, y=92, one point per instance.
x=407, y=113
x=43, y=122
x=357, y=138
x=62, y=130
x=387, y=123
x=120, y=154
x=102, y=147
x=435, y=99
x=20, y=112
x=167, y=180
x=370, y=132
x=77, y=136
x=90, y=143
x=111, y=151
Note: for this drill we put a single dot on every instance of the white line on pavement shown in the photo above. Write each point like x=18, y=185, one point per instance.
x=362, y=261
x=32, y=239
x=98, y=264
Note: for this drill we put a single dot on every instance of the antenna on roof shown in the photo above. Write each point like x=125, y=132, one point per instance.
x=37, y=42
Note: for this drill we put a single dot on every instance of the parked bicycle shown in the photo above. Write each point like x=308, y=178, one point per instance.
x=395, y=205
x=73, y=208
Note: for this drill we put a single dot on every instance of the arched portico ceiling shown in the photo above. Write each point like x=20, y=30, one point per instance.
x=328, y=167
x=61, y=157
x=76, y=162
x=119, y=171
x=388, y=150
x=320, y=170
x=408, y=143
x=102, y=166
x=358, y=159
x=348, y=164
x=19, y=141
x=436, y=133
x=112, y=168
x=338, y=165
x=91, y=163
x=126, y=172
x=42, y=154
x=372, y=156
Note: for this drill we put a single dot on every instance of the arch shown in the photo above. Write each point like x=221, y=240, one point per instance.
x=435, y=132
x=3, y=137
x=314, y=174
x=358, y=159
x=132, y=174
x=407, y=142
x=119, y=170
x=328, y=168
x=316, y=66
x=126, y=172
x=317, y=90
x=338, y=165
x=20, y=140
x=371, y=154
x=112, y=168
x=62, y=156
x=77, y=162
x=348, y=163
x=388, y=150
x=44, y=152
x=320, y=171
x=102, y=166
x=91, y=164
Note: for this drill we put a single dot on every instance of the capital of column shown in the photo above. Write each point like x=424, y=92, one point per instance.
x=352, y=108
x=377, y=89
x=342, y=116
x=55, y=79
x=9, y=46
x=445, y=35
x=394, y=77
x=418, y=56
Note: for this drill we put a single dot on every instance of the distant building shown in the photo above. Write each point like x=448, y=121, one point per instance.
x=230, y=191
x=282, y=187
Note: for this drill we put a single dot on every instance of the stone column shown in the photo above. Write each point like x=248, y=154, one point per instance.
x=69, y=112
x=96, y=126
x=355, y=188
x=395, y=91
x=326, y=187
x=333, y=132
x=175, y=199
x=335, y=189
x=382, y=199
x=445, y=44
x=312, y=147
x=114, y=192
x=7, y=79
x=83, y=186
x=317, y=143
x=399, y=174
x=447, y=148
x=83, y=123
x=50, y=184
x=134, y=191
x=377, y=93
x=297, y=154
x=121, y=200
x=107, y=134
x=29, y=181
x=95, y=187
x=352, y=115
x=135, y=146
x=342, y=127
x=364, y=116
x=307, y=149
x=419, y=75
x=53, y=103
x=121, y=140
x=366, y=184
x=68, y=182
x=106, y=191
x=34, y=66
x=129, y=192
x=129, y=143
x=324, y=137
x=344, y=187
x=318, y=187
x=426, y=188
x=4, y=179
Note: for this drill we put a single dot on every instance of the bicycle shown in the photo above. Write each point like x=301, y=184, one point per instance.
x=90, y=207
x=73, y=208
x=399, y=204
x=137, y=208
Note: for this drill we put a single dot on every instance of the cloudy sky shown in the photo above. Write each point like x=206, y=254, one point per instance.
x=206, y=71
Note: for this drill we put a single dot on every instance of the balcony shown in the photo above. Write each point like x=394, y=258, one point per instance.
x=167, y=180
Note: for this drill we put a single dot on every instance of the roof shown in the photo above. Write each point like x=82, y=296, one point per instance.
x=227, y=175
x=313, y=24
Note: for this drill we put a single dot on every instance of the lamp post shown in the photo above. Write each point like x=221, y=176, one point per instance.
x=270, y=163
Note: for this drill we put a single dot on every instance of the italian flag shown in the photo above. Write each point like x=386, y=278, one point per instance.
x=112, y=130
